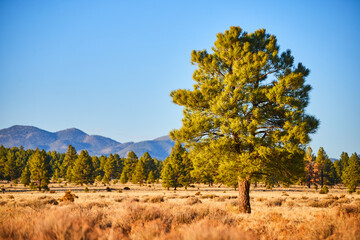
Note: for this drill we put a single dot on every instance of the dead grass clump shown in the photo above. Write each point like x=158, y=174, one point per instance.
x=320, y=204
x=192, y=201
x=211, y=196
x=261, y=199
x=274, y=202
x=221, y=199
x=185, y=196
x=10, y=197
x=348, y=210
x=209, y=230
x=2, y=203
x=197, y=193
x=68, y=197
x=153, y=199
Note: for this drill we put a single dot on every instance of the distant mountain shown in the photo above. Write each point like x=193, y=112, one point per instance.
x=31, y=137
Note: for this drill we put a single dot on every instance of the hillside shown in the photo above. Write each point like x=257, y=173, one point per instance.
x=32, y=137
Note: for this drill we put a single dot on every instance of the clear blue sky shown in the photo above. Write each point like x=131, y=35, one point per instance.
x=107, y=67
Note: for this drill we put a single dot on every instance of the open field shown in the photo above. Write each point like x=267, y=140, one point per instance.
x=197, y=213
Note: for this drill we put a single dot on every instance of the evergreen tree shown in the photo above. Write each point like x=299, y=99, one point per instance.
x=310, y=171
x=150, y=164
x=109, y=169
x=180, y=169
x=83, y=170
x=248, y=107
x=129, y=168
x=25, y=176
x=320, y=160
x=206, y=171
x=151, y=177
x=68, y=163
x=168, y=175
x=11, y=170
x=40, y=168
x=351, y=174
x=140, y=172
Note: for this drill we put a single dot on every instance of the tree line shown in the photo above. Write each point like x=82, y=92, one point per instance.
x=35, y=168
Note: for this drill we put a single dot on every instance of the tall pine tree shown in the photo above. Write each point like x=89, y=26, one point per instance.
x=248, y=108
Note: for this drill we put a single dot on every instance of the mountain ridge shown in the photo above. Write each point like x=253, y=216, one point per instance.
x=31, y=137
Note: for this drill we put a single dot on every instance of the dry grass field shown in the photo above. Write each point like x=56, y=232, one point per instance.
x=197, y=213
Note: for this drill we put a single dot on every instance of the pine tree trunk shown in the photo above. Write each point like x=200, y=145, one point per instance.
x=244, y=197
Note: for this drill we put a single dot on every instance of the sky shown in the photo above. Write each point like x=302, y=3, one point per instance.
x=108, y=67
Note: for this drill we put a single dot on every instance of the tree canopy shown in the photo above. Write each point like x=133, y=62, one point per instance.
x=248, y=108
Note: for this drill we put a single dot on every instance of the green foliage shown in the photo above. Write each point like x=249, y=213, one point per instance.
x=351, y=174
x=248, y=105
x=83, y=170
x=178, y=166
x=327, y=171
x=129, y=168
x=324, y=190
x=68, y=163
x=40, y=168
x=25, y=176
x=140, y=172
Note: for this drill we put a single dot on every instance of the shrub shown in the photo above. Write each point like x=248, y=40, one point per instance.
x=126, y=188
x=52, y=191
x=197, y=194
x=86, y=189
x=68, y=197
x=274, y=202
x=324, y=190
x=192, y=201
x=115, y=181
x=108, y=189
x=156, y=199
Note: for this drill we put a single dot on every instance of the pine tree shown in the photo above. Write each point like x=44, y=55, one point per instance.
x=25, y=176
x=179, y=170
x=140, y=172
x=11, y=170
x=248, y=107
x=151, y=177
x=320, y=160
x=129, y=168
x=68, y=163
x=109, y=169
x=309, y=160
x=150, y=164
x=83, y=170
x=351, y=174
x=168, y=176
x=40, y=168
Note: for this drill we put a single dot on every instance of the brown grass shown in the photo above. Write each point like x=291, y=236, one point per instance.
x=157, y=214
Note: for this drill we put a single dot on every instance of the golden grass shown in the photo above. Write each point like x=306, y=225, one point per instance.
x=155, y=213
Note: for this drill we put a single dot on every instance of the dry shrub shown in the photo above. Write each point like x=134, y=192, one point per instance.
x=209, y=230
x=221, y=199
x=320, y=204
x=10, y=197
x=156, y=199
x=68, y=197
x=2, y=203
x=148, y=230
x=348, y=210
x=291, y=204
x=211, y=196
x=274, y=202
x=192, y=201
x=185, y=196
x=197, y=193
x=261, y=199
x=40, y=203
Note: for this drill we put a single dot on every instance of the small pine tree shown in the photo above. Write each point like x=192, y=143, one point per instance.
x=40, y=168
x=25, y=176
x=151, y=177
x=351, y=174
x=140, y=172
x=168, y=176
x=83, y=170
